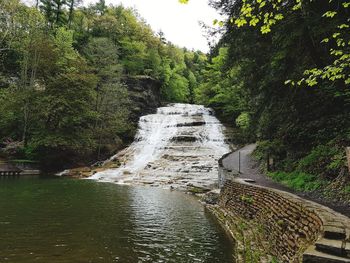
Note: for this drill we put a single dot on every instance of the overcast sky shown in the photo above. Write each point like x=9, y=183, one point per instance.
x=180, y=23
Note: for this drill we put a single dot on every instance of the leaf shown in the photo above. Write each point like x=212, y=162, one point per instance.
x=343, y=26
x=262, y=4
x=265, y=29
x=240, y=22
x=253, y=21
x=329, y=14
x=346, y=4
x=278, y=16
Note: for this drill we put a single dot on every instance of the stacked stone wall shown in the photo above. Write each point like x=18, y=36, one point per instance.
x=289, y=226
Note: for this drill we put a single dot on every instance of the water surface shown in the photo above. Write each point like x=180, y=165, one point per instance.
x=62, y=220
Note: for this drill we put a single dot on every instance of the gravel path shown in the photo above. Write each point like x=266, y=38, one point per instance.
x=249, y=169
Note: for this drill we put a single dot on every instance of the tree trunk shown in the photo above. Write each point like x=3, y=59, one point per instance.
x=347, y=149
x=25, y=124
x=58, y=11
x=71, y=9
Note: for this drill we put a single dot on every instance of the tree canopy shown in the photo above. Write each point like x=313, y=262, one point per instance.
x=62, y=65
x=280, y=75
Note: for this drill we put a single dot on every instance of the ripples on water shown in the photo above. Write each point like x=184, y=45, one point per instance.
x=55, y=220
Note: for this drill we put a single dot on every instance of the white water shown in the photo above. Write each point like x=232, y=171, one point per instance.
x=177, y=146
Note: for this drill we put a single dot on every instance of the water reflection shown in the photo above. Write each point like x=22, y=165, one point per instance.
x=45, y=220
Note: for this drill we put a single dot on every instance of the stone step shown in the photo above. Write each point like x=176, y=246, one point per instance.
x=347, y=249
x=334, y=232
x=311, y=255
x=331, y=246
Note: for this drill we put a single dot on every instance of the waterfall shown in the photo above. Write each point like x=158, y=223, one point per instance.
x=177, y=146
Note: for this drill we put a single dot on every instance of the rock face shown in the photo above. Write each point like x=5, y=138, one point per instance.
x=145, y=96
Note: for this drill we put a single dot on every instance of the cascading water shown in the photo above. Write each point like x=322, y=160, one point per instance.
x=176, y=147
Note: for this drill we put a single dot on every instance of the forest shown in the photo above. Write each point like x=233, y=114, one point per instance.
x=278, y=76
x=63, y=99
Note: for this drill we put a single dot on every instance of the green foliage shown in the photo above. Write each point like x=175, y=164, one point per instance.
x=274, y=149
x=177, y=89
x=134, y=56
x=274, y=260
x=63, y=42
x=62, y=97
x=323, y=160
x=347, y=189
x=303, y=129
x=221, y=88
x=298, y=180
x=54, y=11
x=247, y=199
x=267, y=14
x=243, y=120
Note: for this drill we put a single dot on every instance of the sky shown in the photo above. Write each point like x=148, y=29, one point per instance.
x=180, y=23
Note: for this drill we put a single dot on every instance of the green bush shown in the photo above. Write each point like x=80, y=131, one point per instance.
x=243, y=120
x=297, y=180
x=273, y=148
x=347, y=189
x=324, y=160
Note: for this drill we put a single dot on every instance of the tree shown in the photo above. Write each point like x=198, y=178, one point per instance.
x=161, y=36
x=266, y=14
x=153, y=63
x=62, y=97
x=111, y=99
x=71, y=5
x=54, y=12
x=245, y=80
x=100, y=7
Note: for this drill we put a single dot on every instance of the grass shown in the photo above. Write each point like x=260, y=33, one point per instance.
x=347, y=189
x=299, y=181
x=274, y=260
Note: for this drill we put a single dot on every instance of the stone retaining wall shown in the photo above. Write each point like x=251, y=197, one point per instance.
x=290, y=227
x=297, y=230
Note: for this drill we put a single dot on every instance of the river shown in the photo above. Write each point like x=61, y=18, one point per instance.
x=64, y=220
x=105, y=220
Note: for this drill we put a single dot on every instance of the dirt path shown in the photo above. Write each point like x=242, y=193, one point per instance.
x=249, y=169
